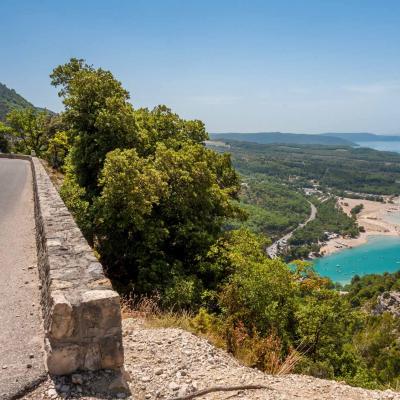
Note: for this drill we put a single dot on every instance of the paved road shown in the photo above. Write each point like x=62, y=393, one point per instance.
x=273, y=250
x=21, y=328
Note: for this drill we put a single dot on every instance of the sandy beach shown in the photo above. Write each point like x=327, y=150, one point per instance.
x=375, y=217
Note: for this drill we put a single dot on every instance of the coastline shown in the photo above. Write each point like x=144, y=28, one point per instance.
x=376, y=219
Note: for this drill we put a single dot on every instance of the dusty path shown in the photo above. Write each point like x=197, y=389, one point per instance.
x=21, y=332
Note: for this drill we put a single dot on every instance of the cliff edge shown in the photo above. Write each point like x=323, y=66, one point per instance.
x=171, y=363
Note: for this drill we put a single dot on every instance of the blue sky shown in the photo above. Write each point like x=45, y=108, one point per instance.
x=295, y=66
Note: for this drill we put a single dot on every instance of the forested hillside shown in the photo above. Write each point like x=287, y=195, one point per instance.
x=283, y=138
x=11, y=100
x=273, y=207
x=364, y=137
x=338, y=167
x=160, y=208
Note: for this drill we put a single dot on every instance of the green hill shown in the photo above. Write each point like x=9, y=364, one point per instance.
x=282, y=138
x=10, y=99
x=364, y=137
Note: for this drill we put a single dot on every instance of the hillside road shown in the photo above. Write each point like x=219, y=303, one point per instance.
x=21, y=327
x=273, y=250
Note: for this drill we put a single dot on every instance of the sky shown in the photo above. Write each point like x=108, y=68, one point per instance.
x=240, y=66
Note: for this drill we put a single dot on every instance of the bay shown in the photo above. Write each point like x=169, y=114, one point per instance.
x=380, y=254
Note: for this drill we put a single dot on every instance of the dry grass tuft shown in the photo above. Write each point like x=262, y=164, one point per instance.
x=264, y=353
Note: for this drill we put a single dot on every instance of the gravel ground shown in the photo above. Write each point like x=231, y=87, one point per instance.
x=167, y=363
x=21, y=333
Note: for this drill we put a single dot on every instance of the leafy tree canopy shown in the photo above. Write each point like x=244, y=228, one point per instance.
x=153, y=197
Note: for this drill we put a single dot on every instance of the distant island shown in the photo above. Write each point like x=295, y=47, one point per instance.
x=363, y=137
x=282, y=138
x=334, y=139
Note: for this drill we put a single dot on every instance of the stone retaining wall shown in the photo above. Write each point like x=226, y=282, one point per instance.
x=82, y=317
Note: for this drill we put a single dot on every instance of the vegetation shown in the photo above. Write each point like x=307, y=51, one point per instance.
x=164, y=213
x=144, y=187
x=330, y=219
x=356, y=210
x=337, y=167
x=283, y=138
x=273, y=207
x=4, y=138
x=364, y=290
x=11, y=100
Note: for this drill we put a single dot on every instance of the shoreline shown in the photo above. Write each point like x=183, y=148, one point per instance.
x=374, y=217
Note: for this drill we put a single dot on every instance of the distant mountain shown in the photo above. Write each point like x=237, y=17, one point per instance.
x=363, y=137
x=283, y=138
x=10, y=100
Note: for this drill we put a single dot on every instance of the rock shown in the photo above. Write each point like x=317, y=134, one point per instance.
x=158, y=376
x=64, y=388
x=62, y=323
x=173, y=386
x=77, y=379
x=51, y=393
x=126, y=375
x=388, y=302
x=28, y=366
x=31, y=356
x=119, y=385
x=184, y=389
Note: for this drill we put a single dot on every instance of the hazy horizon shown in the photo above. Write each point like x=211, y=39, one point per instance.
x=308, y=133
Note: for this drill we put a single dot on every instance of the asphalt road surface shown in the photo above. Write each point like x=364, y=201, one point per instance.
x=273, y=250
x=21, y=328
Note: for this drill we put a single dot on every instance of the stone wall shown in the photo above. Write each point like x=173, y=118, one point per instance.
x=81, y=312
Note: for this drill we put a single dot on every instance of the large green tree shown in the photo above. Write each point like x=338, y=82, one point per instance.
x=99, y=116
x=27, y=129
x=150, y=195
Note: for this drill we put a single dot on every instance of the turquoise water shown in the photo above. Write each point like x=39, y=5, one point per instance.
x=380, y=254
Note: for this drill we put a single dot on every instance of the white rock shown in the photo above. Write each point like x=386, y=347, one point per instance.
x=173, y=386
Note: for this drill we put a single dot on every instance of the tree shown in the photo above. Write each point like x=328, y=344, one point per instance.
x=4, y=138
x=28, y=130
x=162, y=212
x=99, y=116
x=151, y=196
x=260, y=292
x=57, y=149
x=324, y=325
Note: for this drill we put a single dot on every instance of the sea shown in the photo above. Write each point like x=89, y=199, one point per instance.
x=382, y=146
x=380, y=254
